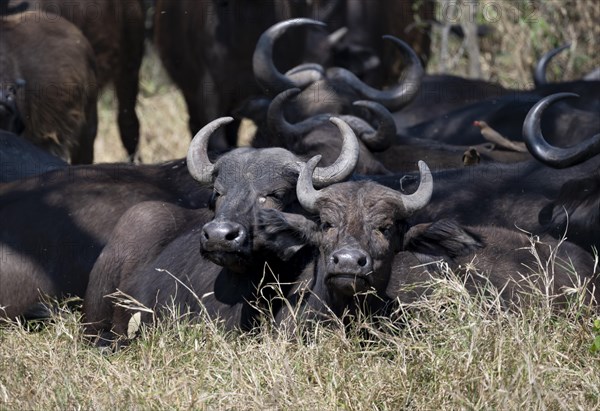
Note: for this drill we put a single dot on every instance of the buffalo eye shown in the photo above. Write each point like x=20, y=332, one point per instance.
x=385, y=229
x=262, y=200
x=213, y=200
x=277, y=195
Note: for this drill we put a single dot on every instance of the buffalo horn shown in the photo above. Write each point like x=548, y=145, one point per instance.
x=419, y=199
x=346, y=162
x=396, y=97
x=539, y=74
x=554, y=156
x=305, y=191
x=265, y=72
x=280, y=126
x=199, y=165
x=382, y=138
x=375, y=140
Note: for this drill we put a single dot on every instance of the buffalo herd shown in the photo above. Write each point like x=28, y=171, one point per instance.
x=366, y=177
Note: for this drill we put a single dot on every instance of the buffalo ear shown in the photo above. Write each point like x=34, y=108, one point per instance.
x=444, y=238
x=284, y=233
x=546, y=214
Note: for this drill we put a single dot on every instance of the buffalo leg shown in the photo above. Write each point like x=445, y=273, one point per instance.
x=127, y=80
x=126, y=87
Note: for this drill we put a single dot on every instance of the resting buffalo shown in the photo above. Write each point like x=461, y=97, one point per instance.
x=314, y=135
x=219, y=259
x=507, y=113
x=55, y=225
x=445, y=107
x=381, y=150
x=48, y=68
x=507, y=195
x=332, y=90
x=576, y=208
x=362, y=243
x=115, y=30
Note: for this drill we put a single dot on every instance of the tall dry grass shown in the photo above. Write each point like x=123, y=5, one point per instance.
x=451, y=350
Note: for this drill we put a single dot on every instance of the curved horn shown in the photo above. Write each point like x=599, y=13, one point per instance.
x=375, y=140
x=198, y=163
x=265, y=72
x=420, y=198
x=346, y=162
x=396, y=97
x=550, y=155
x=306, y=193
x=279, y=125
x=382, y=138
x=539, y=74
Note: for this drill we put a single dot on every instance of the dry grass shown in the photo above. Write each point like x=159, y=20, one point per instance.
x=451, y=350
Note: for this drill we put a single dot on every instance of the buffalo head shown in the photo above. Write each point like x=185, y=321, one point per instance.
x=336, y=87
x=359, y=230
x=246, y=180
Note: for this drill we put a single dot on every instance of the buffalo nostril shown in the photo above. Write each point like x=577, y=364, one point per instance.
x=232, y=235
x=362, y=261
x=206, y=235
x=335, y=259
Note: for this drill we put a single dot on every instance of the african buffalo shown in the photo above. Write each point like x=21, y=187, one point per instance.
x=332, y=90
x=115, y=30
x=217, y=257
x=314, y=135
x=520, y=195
x=576, y=208
x=506, y=113
x=49, y=69
x=55, y=225
x=381, y=150
x=363, y=243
